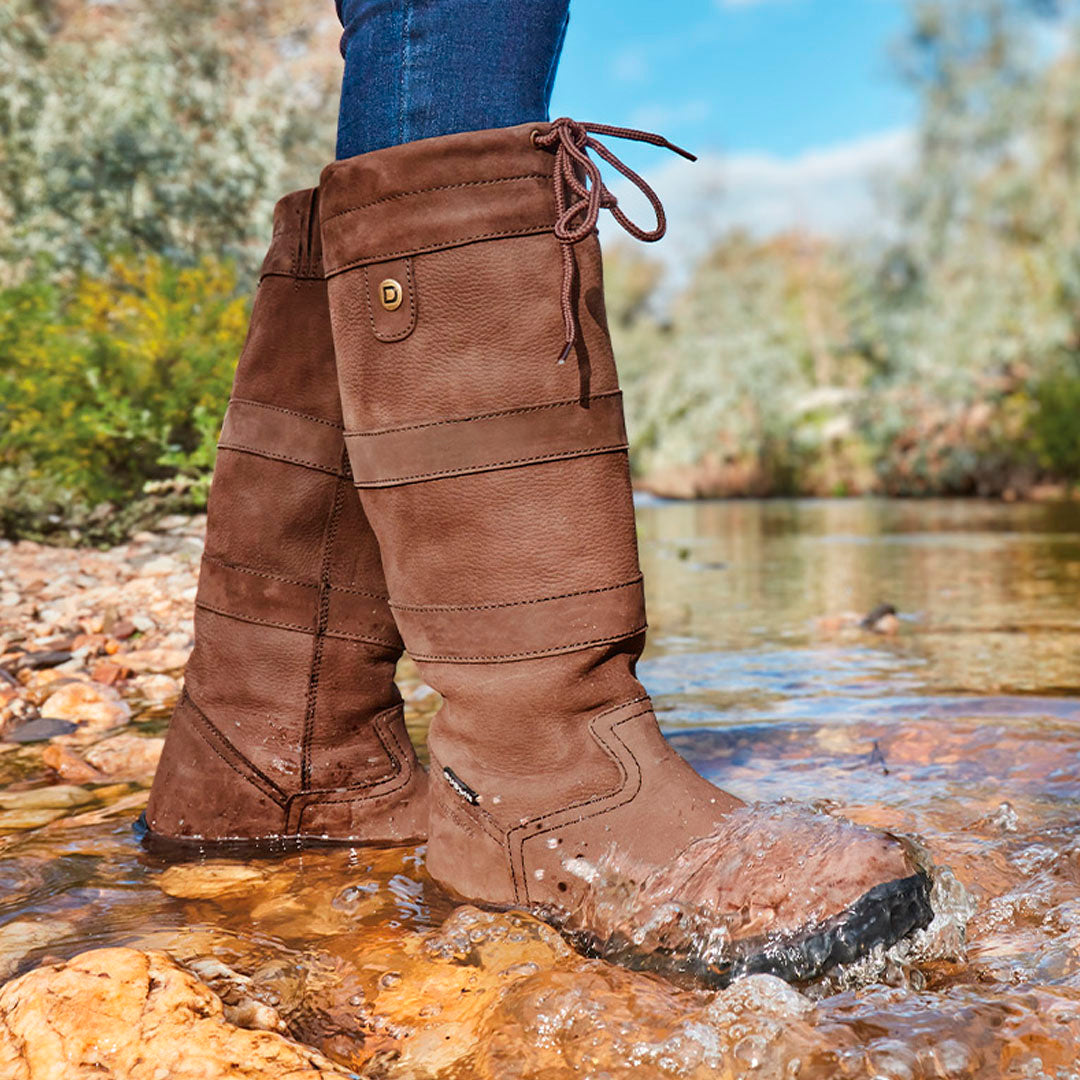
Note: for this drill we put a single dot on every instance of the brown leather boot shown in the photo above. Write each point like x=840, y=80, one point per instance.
x=290, y=727
x=485, y=429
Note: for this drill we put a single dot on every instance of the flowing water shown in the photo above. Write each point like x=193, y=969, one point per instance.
x=956, y=722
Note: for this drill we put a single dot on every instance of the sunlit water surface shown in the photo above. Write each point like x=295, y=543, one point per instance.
x=959, y=725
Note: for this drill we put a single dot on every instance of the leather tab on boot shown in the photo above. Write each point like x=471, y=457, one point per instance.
x=504, y=440
x=391, y=299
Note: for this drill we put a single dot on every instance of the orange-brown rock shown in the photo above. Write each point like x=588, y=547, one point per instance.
x=93, y=706
x=120, y=1014
x=126, y=756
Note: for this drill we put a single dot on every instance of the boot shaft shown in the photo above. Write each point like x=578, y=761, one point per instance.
x=290, y=725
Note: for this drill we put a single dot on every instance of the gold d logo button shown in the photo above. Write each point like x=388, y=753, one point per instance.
x=390, y=294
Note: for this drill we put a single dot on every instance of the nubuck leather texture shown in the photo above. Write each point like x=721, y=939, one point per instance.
x=484, y=426
x=290, y=727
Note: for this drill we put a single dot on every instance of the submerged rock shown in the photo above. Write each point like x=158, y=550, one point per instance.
x=21, y=936
x=126, y=756
x=207, y=880
x=129, y=1015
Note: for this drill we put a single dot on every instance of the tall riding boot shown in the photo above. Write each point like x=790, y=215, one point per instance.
x=290, y=726
x=485, y=429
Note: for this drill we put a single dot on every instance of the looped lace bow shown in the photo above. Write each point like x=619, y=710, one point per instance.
x=580, y=195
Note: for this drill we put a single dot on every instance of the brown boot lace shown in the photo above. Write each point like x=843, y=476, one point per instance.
x=580, y=195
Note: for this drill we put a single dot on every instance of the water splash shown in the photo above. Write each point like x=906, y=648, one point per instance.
x=760, y=894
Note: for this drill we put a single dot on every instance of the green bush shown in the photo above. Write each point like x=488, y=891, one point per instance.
x=116, y=381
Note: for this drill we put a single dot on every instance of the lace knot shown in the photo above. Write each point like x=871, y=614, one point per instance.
x=580, y=195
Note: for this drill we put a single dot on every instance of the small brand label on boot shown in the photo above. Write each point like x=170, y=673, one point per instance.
x=461, y=787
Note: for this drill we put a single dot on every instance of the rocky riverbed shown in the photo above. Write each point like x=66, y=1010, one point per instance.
x=951, y=720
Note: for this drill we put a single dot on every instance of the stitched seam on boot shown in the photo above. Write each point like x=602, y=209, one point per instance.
x=519, y=853
x=595, y=813
x=554, y=650
x=442, y=187
x=400, y=767
x=563, y=403
x=466, y=470
x=337, y=635
x=476, y=816
x=516, y=603
x=322, y=621
x=403, y=773
x=287, y=412
x=299, y=279
x=288, y=580
x=286, y=458
x=461, y=241
x=208, y=733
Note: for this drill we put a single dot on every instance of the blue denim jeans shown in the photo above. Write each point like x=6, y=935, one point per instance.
x=420, y=68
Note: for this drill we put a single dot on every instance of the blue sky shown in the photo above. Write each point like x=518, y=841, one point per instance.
x=793, y=105
x=775, y=75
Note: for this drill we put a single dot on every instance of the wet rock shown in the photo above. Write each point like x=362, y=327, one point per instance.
x=494, y=995
x=157, y=689
x=155, y=660
x=126, y=756
x=210, y=880
x=242, y=1005
x=28, y=818
x=109, y=673
x=92, y=706
x=60, y=796
x=23, y=936
x=48, y=658
x=69, y=766
x=130, y=1015
x=38, y=729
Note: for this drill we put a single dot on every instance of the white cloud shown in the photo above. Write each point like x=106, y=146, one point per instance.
x=830, y=191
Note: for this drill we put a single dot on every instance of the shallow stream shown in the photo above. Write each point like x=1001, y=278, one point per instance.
x=956, y=721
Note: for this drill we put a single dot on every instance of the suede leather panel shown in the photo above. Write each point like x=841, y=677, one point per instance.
x=547, y=703
x=488, y=335
x=282, y=434
x=254, y=595
x=288, y=541
x=517, y=534
x=291, y=678
x=517, y=630
x=504, y=440
x=250, y=679
x=356, y=684
x=288, y=358
x=289, y=604
x=435, y=193
x=356, y=616
x=230, y=794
